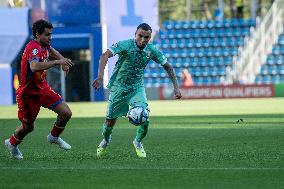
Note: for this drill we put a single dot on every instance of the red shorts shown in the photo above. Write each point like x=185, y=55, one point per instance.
x=29, y=105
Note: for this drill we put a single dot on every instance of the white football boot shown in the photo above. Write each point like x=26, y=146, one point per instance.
x=59, y=141
x=14, y=150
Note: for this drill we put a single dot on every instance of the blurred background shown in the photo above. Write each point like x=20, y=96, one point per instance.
x=218, y=48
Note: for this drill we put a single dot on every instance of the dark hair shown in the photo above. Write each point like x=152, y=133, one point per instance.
x=40, y=25
x=144, y=26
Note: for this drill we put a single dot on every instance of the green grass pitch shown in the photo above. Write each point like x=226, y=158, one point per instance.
x=190, y=144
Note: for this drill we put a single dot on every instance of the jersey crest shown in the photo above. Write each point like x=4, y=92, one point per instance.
x=34, y=52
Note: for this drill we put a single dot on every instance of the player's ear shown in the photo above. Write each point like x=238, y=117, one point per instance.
x=37, y=35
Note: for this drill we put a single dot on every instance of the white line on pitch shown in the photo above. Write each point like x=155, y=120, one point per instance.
x=121, y=168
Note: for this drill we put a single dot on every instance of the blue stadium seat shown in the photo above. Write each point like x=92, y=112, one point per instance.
x=171, y=34
x=196, y=71
x=168, y=24
x=258, y=79
x=281, y=69
x=282, y=78
x=234, y=22
x=162, y=74
x=218, y=24
x=270, y=60
x=251, y=22
x=192, y=24
x=184, y=24
x=179, y=33
x=240, y=43
x=176, y=25
x=281, y=40
x=164, y=81
x=213, y=70
x=216, y=80
x=175, y=52
x=264, y=70
x=245, y=31
x=180, y=43
x=279, y=60
x=275, y=79
x=221, y=71
x=198, y=80
x=200, y=24
x=167, y=53
x=266, y=79
x=163, y=34
x=198, y=42
x=206, y=80
x=282, y=49
x=242, y=22
x=152, y=64
x=276, y=50
x=210, y=61
x=272, y=70
x=226, y=23
x=227, y=61
x=209, y=24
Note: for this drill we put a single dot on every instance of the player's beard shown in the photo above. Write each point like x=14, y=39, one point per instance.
x=45, y=43
x=141, y=46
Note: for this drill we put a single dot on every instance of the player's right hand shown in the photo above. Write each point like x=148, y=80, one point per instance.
x=177, y=93
x=97, y=83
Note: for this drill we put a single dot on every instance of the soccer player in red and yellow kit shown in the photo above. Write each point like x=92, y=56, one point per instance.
x=34, y=91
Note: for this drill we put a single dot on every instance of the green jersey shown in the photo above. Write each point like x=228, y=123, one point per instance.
x=129, y=69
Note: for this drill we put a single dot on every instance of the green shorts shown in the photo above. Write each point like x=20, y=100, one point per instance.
x=119, y=102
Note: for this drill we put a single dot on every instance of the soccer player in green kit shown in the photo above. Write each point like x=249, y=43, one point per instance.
x=126, y=83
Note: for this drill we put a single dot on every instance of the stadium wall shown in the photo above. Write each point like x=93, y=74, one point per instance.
x=225, y=91
x=14, y=32
x=215, y=92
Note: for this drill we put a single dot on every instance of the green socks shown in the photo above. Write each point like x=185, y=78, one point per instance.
x=107, y=132
x=142, y=131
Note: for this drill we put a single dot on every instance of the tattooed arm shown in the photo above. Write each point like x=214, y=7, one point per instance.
x=169, y=69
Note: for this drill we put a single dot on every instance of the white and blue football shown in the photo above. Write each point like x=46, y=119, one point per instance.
x=137, y=115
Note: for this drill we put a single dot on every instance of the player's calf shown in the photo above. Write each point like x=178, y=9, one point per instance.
x=63, y=118
x=60, y=123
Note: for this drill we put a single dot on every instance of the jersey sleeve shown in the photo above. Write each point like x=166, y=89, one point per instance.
x=158, y=56
x=119, y=47
x=34, y=54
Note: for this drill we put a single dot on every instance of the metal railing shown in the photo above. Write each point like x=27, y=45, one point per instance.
x=257, y=46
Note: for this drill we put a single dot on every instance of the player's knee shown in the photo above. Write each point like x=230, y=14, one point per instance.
x=66, y=115
x=110, y=122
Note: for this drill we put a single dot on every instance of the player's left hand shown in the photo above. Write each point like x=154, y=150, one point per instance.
x=66, y=69
x=97, y=83
x=177, y=93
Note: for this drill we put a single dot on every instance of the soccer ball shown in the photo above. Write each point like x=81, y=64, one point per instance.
x=137, y=115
